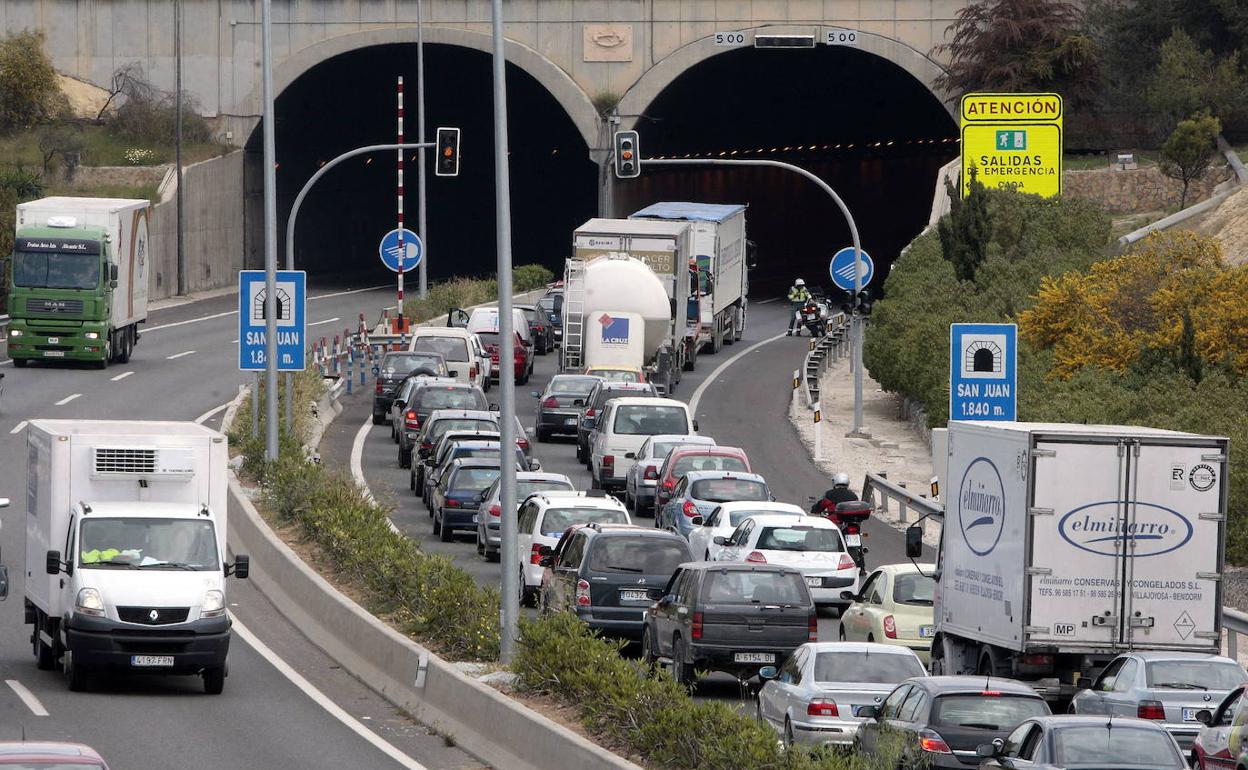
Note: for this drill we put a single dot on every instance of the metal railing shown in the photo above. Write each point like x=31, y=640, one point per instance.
x=823, y=351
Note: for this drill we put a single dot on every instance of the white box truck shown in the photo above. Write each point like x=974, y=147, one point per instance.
x=125, y=548
x=78, y=279
x=719, y=246
x=1064, y=545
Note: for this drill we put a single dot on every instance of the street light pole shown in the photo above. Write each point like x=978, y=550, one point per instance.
x=183, y=281
x=420, y=154
x=506, y=354
x=270, y=234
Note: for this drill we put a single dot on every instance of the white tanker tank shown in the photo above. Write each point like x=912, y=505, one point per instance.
x=627, y=313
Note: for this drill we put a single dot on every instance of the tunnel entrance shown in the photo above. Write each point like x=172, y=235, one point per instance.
x=349, y=101
x=861, y=123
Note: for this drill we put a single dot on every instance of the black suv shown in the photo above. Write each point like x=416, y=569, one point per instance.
x=591, y=408
x=610, y=574
x=734, y=617
x=394, y=367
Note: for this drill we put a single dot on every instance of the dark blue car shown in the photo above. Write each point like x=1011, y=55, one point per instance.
x=458, y=494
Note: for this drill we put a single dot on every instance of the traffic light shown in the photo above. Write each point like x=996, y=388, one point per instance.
x=448, y=152
x=627, y=155
x=864, y=302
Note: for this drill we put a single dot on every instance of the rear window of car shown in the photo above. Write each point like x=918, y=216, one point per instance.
x=455, y=423
x=866, y=667
x=744, y=587
x=451, y=348
x=799, y=539
x=914, y=589
x=531, y=316
x=986, y=712
x=573, y=386
x=526, y=488
x=475, y=478
x=1194, y=675
x=556, y=520
x=708, y=463
x=450, y=398
x=459, y=452
x=650, y=420
x=400, y=364
x=736, y=517
x=637, y=555
x=1116, y=747
x=728, y=490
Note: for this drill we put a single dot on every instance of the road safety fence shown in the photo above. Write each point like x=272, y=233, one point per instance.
x=824, y=351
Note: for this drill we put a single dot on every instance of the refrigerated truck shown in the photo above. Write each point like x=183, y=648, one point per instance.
x=125, y=549
x=719, y=246
x=78, y=280
x=1064, y=545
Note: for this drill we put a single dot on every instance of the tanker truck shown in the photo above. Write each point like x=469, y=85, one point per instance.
x=616, y=312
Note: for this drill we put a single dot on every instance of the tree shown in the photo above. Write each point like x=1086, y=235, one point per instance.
x=965, y=233
x=1187, y=153
x=65, y=141
x=1188, y=80
x=29, y=92
x=1020, y=45
x=127, y=80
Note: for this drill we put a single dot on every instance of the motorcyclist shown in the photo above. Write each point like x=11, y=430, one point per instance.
x=798, y=295
x=839, y=493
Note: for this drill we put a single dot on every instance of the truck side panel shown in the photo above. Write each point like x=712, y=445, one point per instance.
x=129, y=253
x=730, y=263
x=43, y=500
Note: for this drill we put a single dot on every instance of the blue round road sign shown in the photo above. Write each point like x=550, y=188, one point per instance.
x=842, y=268
x=414, y=250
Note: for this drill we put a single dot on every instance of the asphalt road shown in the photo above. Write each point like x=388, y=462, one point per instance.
x=184, y=366
x=746, y=405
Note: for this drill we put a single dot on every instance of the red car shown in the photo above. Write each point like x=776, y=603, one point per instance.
x=524, y=356
x=681, y=460
x=48, y=754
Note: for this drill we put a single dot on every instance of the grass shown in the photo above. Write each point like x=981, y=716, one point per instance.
x=1072, y=162
x=148, y=191
x=101, y=148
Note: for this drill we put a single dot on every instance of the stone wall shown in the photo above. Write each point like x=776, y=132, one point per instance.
x=1141, y=189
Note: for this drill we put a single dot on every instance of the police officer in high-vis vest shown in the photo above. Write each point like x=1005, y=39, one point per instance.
x=798, y=294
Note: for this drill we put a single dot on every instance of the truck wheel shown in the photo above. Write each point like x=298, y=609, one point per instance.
x=75, y=676
x=992, y=663
x=20, y=363
x=127, y=345
x=45, y=656
x=214, y=680
x=717, y=340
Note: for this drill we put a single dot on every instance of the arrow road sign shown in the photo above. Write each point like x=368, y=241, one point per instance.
x=413, y=250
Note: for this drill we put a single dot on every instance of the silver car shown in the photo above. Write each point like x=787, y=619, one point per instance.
x=559, y=406
x=814, y=697
x=644, y=475
x=489, y=520
x=1167, y=687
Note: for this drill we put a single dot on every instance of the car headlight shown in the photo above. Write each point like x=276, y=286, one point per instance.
x=15, y=332
x=214, y=604
x=92, y=335
x=89, y=602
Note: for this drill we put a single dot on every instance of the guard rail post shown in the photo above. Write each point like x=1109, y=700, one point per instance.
x=350, y=368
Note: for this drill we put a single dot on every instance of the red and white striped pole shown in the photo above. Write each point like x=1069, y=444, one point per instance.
x=402, y=248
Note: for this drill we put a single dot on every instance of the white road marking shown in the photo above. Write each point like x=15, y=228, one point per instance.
x=21, y=426
x=27, y=697
x=121, y=376
x=67, y=399
x=148, y=329
x=233, y=340
x=179, y=355
x=6, y=361
x=357, y=464
x=697, y=394
x=208, y=415
x=322, y=700
x=765, y=301
x=326, y=321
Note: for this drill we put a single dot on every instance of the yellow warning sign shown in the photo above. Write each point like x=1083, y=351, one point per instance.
x=1013, y=142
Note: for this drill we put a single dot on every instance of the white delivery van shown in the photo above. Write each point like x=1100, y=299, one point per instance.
x=125, y=548
x=625, y=425
x=466, y=359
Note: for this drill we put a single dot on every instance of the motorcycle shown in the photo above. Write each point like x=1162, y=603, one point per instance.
x=810, y=316
x=849, y=516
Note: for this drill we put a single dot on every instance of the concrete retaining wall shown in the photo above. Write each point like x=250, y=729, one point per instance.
x=1141, y=189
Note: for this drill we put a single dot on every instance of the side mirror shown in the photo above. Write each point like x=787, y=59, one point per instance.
x=720, y=540
x=112, y=273
x=494, y=407
x=1205, y=717
x=546, y=561
x=868, y=712
x=535, y=465
x=849, y=596
x=986, y=750
x=768, y=672
x=535, y=394
x=241, y=567
x=544, y=550
x=4, y=502
x=452, y=373
x=667, y=599
x=914, y=542
x=630, y=455
x=696, y=521
x=695, y=426
x=578, y=402
x=53, y=565
x=4, y=582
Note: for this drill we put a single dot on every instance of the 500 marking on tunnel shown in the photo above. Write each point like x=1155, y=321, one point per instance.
x=1096, y=528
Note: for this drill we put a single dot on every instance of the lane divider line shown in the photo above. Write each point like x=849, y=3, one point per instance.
x=21, y=426
x=27, y=697
x=67, y=399
x=208, y=414
x=357, y=466
x=326, y=321
x=706, y=383
x=121, y=376
x=179, y=355
x=147, y=329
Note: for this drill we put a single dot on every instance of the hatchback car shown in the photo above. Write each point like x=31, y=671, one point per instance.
x=489, y=520
x=815, y=696
x=1169, y=687
x=403, y=393
x=559, y=405
x=428, y=443
x=427, y=396
x=681, y=460
x=457, y=447
x=438, y=458
x=725, y=519
x=943, y=720
x=23, y=755
x=393, y=367
x=522, y=356
x=1062, y=742
x=643, y=477
x=458, y=494
x=552, y=303
x=699, y=493
x=541, y=328
x=1222, y=727
x=610, y=574
x=624, y=425
x=460, y=348
x=734, y=618
x=810, y=545
x=894, y=606
x=545, y=516
x=603, y=391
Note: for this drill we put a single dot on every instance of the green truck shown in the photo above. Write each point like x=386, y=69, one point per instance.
x=78, y=280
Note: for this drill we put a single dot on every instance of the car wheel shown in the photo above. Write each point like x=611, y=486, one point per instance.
x=871, y=638
x=526, y=596
x=480, y=545
x=840, y=634
x=411, y=480
x=788, y=733
x=542, y=435
x=682, y=672
x=378, y=418
x=649, y=655
x=707, y=557
x=75, y=676
x=445, y=533
x=493, y=555
x=405, y=460
x=214, y=680
x=437, y=524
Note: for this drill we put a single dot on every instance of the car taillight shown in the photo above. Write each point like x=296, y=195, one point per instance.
x=535, y=554
x=930, y=741
x=1151, y=709
x=378, y=388
x=582, y=593
x=689, y=509
x=812, y=627
x=821, y=707
x=695, y=630
x=472, y=371
x=651, y=472
x=756, y=557
x=412, y=419
x=590, y=412
x=426, y=445
x=846, y=562
x=523, y=443
x=551, y=403
x=1038, y=659
x=495, y=510
x=608, y=462
x=890, y=626
x=668, y=483
x=851, y=529
x=452, y=503
x=518, y=355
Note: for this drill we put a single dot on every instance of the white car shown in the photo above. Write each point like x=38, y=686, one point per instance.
x=621, y=429
x=725, y=519
x=468, y=361
x=485, y=319
x=811, y=545
x=490, y=519
x=544, y=517
x=644, y=475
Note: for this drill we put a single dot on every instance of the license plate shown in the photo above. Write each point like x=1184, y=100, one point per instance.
x=54, y=340
x=926, y=632
x=151, y=660
x=814, y=582
x=54, y=354
x=853, y=540
x=754, y=657
x=569, y=422
x=634, y=596
x=1189, y=714
x=475, y=520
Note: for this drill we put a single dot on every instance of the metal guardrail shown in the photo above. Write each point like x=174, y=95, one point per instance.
x=828, y=348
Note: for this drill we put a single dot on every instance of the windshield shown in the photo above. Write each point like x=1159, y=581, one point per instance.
x=799, y=539
x=728, y=490
x=708, y=463
x=474, y=479
x=400, y=364
x=1194, y=674
x=866, y=667
x=449, y=398
x=914, y=589
x=551, y=303
x=986, y=712
x=736, y=517
x=141, y=543
x=616, y=375
x=745, y=587
x=56, y=270
x=451, y=348
x=640, y=555
x=442, y=426
x=557, y=520
x=1113, y=747
x=650, y=420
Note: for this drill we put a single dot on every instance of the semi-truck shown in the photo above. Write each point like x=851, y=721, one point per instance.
x=616, y=312
x=1063, y=545
x=125, y=549
x=719, y=246
x=78, y=280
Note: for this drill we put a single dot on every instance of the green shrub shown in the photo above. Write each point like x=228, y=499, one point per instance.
x=530, y=277
x=443, y=297
x=29, y=91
